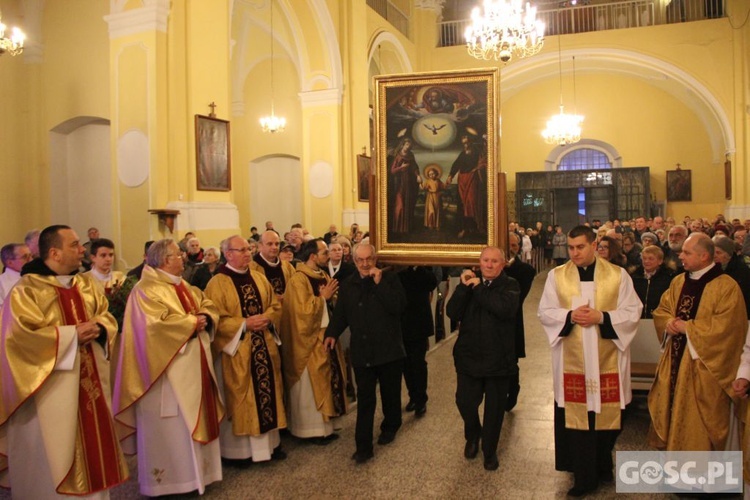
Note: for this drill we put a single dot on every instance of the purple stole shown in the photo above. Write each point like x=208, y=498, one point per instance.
x=261, y=367
x=274, y=274
x=687, y=308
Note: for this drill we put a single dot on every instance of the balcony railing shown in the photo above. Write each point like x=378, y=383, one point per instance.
x=602, y=16
x=392, y=14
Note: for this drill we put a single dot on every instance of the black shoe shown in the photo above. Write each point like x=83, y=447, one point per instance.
x=606, y=477
x=472, y=448
x=420, y=412
x=410, y=406
x=278, y=454
x=323, y=440
x=491, y=463
x=578, y=491
x=386, y=437
x=361, y=457
x=511, y=403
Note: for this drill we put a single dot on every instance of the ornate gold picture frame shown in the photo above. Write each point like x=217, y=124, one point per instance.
x=436, y=192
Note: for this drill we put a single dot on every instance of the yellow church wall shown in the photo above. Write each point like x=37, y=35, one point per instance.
x=15, y=161
x=76, y=60
x=647, y=127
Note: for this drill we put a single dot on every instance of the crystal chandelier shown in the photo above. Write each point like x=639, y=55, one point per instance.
x=12, y=45
x=505, y=30
x=272, y=123
x=563, y=129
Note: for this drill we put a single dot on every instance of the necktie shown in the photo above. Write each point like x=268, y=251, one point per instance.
x=486, y=282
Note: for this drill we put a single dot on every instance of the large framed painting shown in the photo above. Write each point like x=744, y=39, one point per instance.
x=437, y=196
x=212, y=154
x=363, y=177
x=679, y=185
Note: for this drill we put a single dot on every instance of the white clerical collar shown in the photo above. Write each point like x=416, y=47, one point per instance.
x=65, y=280
x=12, y=273
x=696, y=275
x=272, y=264
x=238, y=271
x=101, y=277
x=174, y=279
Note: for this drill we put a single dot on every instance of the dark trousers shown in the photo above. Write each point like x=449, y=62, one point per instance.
x=514, y=387
x=587, y=454
x=389, y=377
x=415, y=370
x=469, y=394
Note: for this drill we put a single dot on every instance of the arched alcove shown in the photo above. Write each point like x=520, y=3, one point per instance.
x=81, y=175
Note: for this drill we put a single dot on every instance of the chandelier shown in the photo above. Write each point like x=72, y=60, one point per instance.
x=12, y=45
x=563, y=129
x=507, y=29
x=272, y=123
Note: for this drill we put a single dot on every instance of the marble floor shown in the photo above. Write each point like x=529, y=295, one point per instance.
x=426, y=459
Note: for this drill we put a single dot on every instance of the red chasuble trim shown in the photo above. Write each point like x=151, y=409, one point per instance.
x=99, y=457
x=575, y=387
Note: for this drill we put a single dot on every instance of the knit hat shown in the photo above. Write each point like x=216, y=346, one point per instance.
x=724, y=243
x=650, y=235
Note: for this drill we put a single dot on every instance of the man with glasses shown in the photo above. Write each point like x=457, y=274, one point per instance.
x=165, y=391
x=249, y=368
x=13, y=256
x=371, y=303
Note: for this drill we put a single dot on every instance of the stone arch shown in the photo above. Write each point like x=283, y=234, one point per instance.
x=557, y=153
x=656, y=72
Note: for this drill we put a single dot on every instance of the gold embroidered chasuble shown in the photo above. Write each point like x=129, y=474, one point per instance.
x=302, y=337
x=243, y=409
x=287, y=271
x=72, y=406
x=159, y=338
x=578, y=388
x=697, y=416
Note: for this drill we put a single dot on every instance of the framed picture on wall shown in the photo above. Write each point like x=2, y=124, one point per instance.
x=212, y=154
x=679, y=185
x=363, y=177
x=436, y=194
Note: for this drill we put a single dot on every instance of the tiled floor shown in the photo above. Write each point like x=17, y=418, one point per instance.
x=426, y=459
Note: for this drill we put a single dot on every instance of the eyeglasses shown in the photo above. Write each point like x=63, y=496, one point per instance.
x=366, y=259
x=178, y=255
x=26, y=256
x=603, y=247
x=241, y=250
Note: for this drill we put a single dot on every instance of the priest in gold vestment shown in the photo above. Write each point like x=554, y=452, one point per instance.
x=57, y=435
x=313, y=376
x=702, y=321
x=247, y=357
x=267, y=261
x=165, y=392
x=590, y=312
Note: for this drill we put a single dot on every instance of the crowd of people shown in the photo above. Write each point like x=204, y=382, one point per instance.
x=203, y=355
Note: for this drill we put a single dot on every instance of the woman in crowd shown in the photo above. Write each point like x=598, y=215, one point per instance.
x=648, y=239
x=732, y=264
x=548, y=246
x=346, y=246
x=559, y=246
x=609, y=249
x=651, y=279
x=206, y=271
